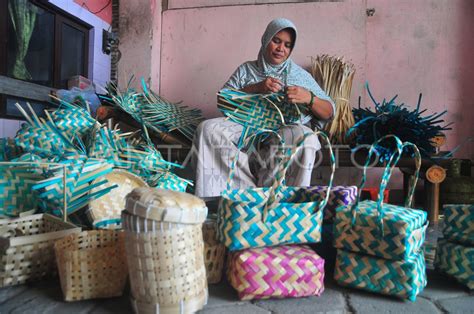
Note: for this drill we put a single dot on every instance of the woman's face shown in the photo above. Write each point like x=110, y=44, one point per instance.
x=279, y=48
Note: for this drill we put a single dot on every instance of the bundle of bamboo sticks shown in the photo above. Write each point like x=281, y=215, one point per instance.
x=335, y=76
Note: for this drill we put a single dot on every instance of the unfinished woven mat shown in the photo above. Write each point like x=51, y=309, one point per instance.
x=456, y=260
x=276, y=272
x=92, y=264
x=403, y=279
x=80, y=171
x=164, y=246
x=27, y=247
x=459, y=223
x=72, y=120
x=214, y=252
x=104, y=212
x=155, y=112
x=256, y=112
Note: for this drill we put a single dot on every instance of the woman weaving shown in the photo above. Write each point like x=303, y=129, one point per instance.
x=216, y=139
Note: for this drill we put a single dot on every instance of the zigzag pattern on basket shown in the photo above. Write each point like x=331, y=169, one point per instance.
x=15, y=187
x=456, y=260
x=459, y=223
x=276, y=272
x=404, y=231
x=404, y=279
x=290, y=221
x=40, y=141
x=73, y=121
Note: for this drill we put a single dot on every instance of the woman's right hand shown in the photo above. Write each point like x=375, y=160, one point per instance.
x=268, y=85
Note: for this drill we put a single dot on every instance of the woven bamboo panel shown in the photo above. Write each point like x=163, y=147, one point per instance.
x=27, y=247
x=214, y=252
x=104, y=212
x=403, y=279
x=92, y=264
x=456, y=260
x=459, y=223
x=166, y=265
x=286, y=271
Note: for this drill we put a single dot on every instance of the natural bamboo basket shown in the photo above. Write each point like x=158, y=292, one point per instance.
x=92, y=264
x=104, y=213
x=164, y=245
x=214, y=252
x=26, y=247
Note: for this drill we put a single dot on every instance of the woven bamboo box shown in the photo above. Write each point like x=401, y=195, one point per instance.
x=27, y=247
x=164, y=247
x=287, y=271
x=92, y=264
x=403, y=279
x=457, y=261
x=214, y=252
x=459, y=223
x=400, y=234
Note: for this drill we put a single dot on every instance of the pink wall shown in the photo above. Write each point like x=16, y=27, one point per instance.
x=407, y=47
x=101, y=8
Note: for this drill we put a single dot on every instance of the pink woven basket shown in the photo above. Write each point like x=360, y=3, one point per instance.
x=287, y=271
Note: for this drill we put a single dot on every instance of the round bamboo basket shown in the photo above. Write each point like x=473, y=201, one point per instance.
x=92, y=264
x=164, y=245
x=214, y=252
x=104, y=212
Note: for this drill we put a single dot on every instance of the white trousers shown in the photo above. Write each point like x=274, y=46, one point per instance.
x=215, y=146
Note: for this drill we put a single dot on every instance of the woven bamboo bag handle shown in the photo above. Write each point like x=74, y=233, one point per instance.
x=236, y=158
x=394, y=158
x=279, y=182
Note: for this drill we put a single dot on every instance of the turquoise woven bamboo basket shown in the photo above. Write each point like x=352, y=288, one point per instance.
x=257, y=217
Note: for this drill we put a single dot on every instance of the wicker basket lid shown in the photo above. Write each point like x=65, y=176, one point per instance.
x=166, y=205
x=105, y=211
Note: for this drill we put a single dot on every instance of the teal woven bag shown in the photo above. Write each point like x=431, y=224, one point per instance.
x=459, y=223
x=403, y=279
x=384, y=230
x=258, y=217
x=457, y=261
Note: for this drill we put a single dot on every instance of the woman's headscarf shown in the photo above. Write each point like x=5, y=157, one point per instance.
x=268, y=69
x=287, y=72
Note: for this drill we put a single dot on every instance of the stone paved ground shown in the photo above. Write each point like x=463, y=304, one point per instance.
x=442, y=295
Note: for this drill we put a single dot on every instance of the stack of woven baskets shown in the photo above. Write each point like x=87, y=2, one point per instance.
x=164, y=245
x=379, y=245
x=264, y=227
x=455, y=254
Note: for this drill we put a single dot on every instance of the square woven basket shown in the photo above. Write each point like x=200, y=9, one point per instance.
x=92, y=264
x=26, y=247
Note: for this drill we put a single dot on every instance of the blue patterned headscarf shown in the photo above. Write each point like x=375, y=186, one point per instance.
x=288, y=72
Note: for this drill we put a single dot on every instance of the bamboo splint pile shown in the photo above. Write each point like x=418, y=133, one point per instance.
x=335, y=76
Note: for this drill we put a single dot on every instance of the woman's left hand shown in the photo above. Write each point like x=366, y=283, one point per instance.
x=298, y=95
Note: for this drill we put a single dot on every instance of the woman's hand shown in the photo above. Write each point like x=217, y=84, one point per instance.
x=298, y=95
x=268, y=85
